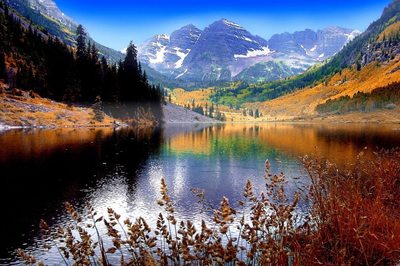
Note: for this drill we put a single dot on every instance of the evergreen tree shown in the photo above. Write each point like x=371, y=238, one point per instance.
x=98, y=109
x=130, y=87
x=81, y=42
x=130, y=62
x=358, y=65
x=94, y=54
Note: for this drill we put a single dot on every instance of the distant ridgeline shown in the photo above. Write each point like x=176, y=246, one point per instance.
x=33, y=60
x=379, y=43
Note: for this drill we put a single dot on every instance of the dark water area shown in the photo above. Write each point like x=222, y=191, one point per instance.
x=122, y=169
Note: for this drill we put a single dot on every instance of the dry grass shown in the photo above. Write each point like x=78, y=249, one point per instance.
x=143, y=118
x=33, y=111
x=356, y=214
x=354, y=219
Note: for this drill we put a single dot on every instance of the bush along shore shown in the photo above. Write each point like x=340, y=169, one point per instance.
x=353, y=218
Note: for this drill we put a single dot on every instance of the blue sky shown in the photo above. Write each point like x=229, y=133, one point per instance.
x=115, y=22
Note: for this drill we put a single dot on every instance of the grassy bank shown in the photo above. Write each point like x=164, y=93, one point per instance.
x=24, y=109
x=28, y=109
x=353, y=218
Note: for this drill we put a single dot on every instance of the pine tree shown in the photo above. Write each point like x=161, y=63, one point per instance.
x=358, y=66
x=81, y=42
x=130, y=88
x=144, y=76
x=98, y=109
x=130, y=62
x=94, y=54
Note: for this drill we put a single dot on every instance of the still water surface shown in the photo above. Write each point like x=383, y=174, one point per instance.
x=41, y=169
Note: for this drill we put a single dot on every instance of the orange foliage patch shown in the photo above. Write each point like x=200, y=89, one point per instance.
x=390, y=31
x=301, y=104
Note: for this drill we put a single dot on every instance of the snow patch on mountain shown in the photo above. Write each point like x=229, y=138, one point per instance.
x=182, y=56
x=159, y=56
x=254, y=53
x=183, y=73
x=246, y=39
x=231, y=24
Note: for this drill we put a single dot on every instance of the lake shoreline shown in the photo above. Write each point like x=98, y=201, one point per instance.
x=33, y=112
x=4, y=127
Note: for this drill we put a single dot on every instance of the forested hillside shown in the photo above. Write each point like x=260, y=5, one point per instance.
x=63, y=28
x=32, y=60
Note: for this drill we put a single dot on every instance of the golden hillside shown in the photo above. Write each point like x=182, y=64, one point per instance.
x=301, y=104
x=390, y=31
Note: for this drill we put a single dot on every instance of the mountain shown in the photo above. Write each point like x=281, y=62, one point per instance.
x=165, y=53
x=364, y=77
x=49, y=8
x=224, y=51
x=51, y=20
x=317, y=45
x=46, y=15
x=377, y=44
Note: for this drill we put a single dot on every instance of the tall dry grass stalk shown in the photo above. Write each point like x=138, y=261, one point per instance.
x=354, y=219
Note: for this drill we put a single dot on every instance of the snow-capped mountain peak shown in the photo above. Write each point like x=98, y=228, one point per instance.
x=167, y=52
x=224, y=49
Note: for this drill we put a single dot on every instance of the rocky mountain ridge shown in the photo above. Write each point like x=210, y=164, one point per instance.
x=225, y=50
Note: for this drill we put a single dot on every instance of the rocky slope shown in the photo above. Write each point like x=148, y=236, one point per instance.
x=177, y=114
